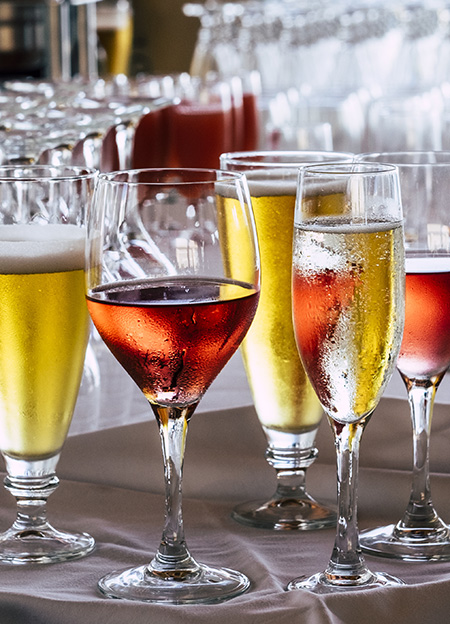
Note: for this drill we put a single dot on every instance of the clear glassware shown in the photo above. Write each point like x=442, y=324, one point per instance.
x=173, y=305
x=348, y=311
x=421, y=535
x=45, y=329
x=285, y=402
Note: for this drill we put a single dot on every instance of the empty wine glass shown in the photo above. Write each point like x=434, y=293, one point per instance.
x=348, y=310
x=172, y=305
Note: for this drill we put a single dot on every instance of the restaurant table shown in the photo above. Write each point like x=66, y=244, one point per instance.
x=112, y=487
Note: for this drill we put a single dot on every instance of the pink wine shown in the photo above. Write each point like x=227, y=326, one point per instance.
x=174, y=335
x=425, y=349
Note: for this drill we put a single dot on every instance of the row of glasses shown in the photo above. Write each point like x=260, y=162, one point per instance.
x=347, y=218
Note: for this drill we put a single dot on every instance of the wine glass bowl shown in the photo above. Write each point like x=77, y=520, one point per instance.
x=44, y=327
x=285, y=403
x=172, y=306
x=348, y=313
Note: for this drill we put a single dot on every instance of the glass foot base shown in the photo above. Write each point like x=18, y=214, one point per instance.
x=419, y=545
x=46, y=545
x=207, y=585
x=319, y=583
x=285, y=514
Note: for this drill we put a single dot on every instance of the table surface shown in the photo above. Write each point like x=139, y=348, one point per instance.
x=112, y=486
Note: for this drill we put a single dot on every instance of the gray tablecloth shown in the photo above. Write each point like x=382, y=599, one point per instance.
x=111, y=486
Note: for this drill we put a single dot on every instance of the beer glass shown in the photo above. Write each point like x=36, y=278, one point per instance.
x=285, y=402
x=172, y=305
x=348, y=310
x=44, y=329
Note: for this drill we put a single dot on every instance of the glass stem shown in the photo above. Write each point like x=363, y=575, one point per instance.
x=173, y=559
x=31, y=483
x=347, y=563
x=420, y=512
x=290, y=455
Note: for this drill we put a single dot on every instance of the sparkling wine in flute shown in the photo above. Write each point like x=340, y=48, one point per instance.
x=281, y=391
x=173, y=336
x=348, y=310
x=345, y=303
x=44, y=326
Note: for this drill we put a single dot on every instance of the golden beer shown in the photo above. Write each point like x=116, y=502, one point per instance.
x=283, y=397
x=44, y=326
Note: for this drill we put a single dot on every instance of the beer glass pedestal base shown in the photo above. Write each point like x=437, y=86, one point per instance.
x=45, y=545
x=285, y=514
x=206, y=585
x=31, y=539
x=319, y=584
x=422, y=545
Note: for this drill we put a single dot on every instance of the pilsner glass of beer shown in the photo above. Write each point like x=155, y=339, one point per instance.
x=285, y=402
x=44, y=329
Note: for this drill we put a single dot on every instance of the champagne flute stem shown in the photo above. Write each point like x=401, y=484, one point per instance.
x=420, y=512
x=173, y=558
x=347, y=563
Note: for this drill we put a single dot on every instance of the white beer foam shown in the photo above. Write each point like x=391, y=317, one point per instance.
x=28, y=248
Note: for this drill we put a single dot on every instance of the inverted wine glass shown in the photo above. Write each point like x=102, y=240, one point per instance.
x=285, y=402
x=44, y=328
x=425, y=352
x=172, y=308
x=348, y=310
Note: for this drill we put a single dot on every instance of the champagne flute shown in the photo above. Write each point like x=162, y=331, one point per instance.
x=424, y=357
x=172, y=309
x=286, y=404
x=348, y=309
x=44, y=329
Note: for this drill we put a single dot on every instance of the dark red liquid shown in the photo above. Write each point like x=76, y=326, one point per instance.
x=251, y=122
x=199, y=134
x=425, y=349
x=151, y=143
x=173, y=336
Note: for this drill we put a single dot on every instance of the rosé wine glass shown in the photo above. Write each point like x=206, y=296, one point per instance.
x=172, y=309
x=421, y=535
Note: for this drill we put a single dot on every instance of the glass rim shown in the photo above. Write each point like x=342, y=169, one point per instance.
x=250, y=158
x=46, y=173
x=398, y=156
x=349, y=169
x=122, y=177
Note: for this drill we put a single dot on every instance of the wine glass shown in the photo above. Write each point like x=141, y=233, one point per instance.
x=285, y=402
x=425, y=352
x=44, y=325
x=348, y=310
x=172, y=307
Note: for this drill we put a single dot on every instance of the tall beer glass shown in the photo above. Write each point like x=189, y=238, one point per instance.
x=44, y=328
x=285, y=402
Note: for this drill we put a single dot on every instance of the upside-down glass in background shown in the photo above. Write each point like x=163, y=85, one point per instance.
x=285, y=402
x=348, y=311
x=44, y=329
x=425, y=352
x=172, y=309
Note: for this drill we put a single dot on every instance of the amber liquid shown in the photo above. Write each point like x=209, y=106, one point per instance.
x=282, y=394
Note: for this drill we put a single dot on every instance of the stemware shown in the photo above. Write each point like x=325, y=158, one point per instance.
x=172, y=307
x=425, y=352
x=348, y=310
x=44, y=326
x=285, y=402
